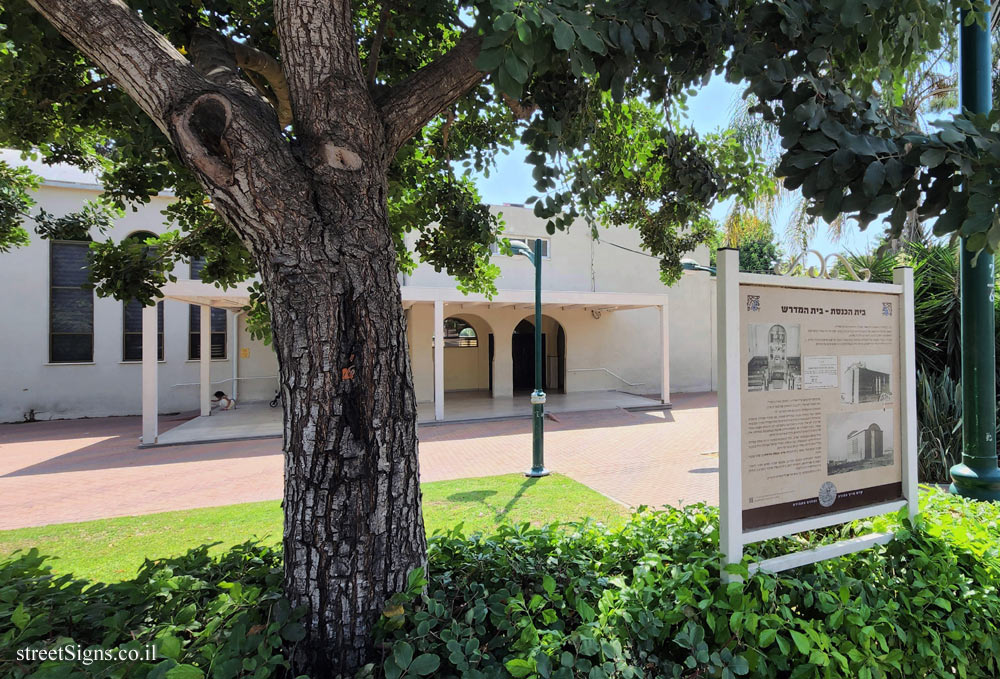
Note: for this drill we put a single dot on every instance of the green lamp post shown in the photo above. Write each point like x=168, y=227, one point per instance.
x=537, y=396
x=977, y=476
x=688, y=264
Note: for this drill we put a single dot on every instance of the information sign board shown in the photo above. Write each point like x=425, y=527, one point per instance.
x=817, y=406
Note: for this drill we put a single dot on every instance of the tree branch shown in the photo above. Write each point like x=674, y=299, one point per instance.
x=218, y=123
x=212, y=55
x=263, y=64
x=407, y=107
x=520, y=111
x=373, y=54
x=138, y=59
x=319, y=54
x=219, y=57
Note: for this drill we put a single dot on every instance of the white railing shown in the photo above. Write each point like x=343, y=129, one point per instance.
x=616, y=376
x=228, y=379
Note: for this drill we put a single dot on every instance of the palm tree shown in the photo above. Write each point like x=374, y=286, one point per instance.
x=925, y=88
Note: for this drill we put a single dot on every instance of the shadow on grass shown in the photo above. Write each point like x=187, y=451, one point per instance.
x=481, y=496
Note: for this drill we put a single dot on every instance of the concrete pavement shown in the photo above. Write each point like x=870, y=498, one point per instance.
x=77, y=470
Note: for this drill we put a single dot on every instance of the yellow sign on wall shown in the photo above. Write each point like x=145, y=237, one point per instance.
x=245, y=352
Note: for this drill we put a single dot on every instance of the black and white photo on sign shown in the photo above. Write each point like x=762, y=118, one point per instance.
x=865, y=379
x=857, y=441
x=775, y=359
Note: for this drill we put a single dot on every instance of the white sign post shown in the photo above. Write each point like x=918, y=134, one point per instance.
x=817, y=408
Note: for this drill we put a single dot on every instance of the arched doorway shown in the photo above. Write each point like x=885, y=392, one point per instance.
x=468, y=353
x=553, y=351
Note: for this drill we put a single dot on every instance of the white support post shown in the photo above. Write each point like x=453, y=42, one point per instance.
x=664, y=354
x=205, y=361
x=234, y=351
x=730, y=433
x=438, y=360
x=903, y=276
x=150, y=388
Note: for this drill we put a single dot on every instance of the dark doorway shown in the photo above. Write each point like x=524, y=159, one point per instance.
x=561, y=359
x=491, y=362
x=523, y=356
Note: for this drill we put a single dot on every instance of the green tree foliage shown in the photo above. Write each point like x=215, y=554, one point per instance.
x=568, y=80
x=759, y=250
x=564, y=81
x=848, y=153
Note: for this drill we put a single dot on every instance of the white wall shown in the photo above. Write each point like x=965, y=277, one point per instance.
x=107, y=386
x=624, y=342
x=257, y=366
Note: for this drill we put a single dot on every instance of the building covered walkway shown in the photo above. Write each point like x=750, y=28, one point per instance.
x=484, y=358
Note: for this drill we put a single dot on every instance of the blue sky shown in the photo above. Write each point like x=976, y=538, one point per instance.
x=708, y=111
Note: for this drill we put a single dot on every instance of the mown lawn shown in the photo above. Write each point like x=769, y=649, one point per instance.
x=113, y=549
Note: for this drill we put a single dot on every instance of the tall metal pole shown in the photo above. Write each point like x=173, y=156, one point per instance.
x=978, y=475
x=538, y=396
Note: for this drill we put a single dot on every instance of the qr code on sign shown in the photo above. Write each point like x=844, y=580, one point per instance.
x=753, y=302
x=887, y=308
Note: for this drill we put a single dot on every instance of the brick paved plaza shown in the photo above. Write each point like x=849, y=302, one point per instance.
x=77, y=470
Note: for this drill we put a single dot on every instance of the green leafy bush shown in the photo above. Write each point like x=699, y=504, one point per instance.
x=646, y=601
x=220, y=617
x=571, y=601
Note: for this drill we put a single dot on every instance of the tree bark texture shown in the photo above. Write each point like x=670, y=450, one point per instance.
x=353, y=526
x=311, y=208
x=320, y=235
x=315, y=217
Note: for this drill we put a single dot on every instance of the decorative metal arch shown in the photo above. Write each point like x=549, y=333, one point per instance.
x=824, y=270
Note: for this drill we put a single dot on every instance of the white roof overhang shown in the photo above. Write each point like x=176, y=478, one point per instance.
x=207, y=294
x=569, y=299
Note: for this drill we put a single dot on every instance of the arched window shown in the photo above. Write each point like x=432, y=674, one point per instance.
x=458, y=333
x=132, y=318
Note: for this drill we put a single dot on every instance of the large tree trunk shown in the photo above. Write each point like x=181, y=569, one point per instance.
x=311, y=208
x=353, y=525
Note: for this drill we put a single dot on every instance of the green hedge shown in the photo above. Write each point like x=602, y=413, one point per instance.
x=572, y=601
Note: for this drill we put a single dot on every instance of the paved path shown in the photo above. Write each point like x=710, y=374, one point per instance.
x=76, y=470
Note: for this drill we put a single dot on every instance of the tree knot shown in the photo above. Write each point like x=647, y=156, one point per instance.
x=341, y=158
x=201, y=132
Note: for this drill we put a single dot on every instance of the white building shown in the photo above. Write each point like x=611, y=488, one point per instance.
x=608, y=324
